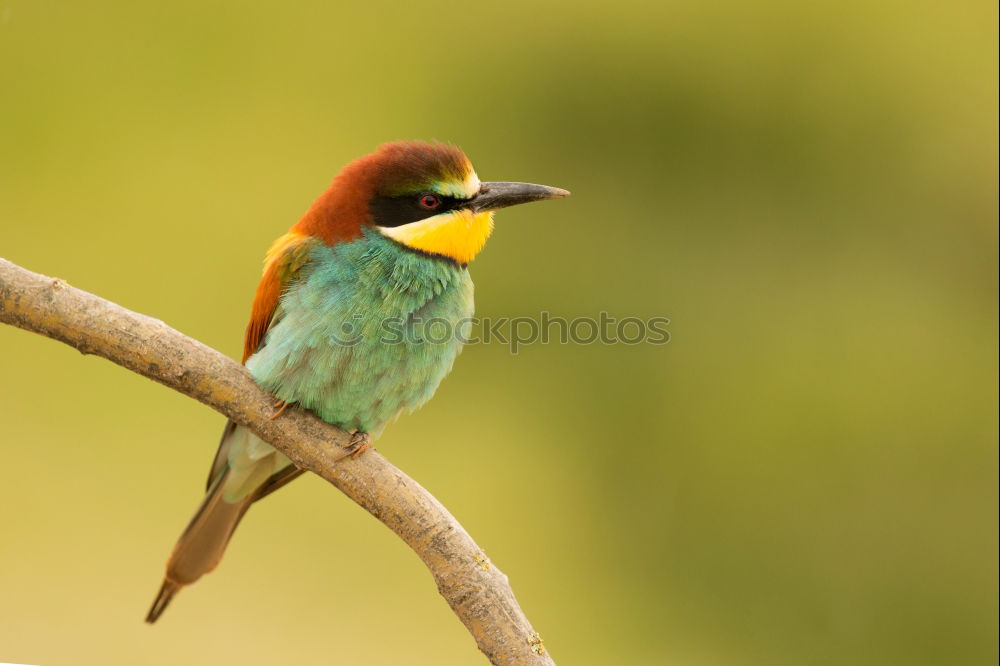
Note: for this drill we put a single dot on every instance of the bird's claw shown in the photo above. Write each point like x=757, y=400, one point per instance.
x=360, y=442
x=281, y=406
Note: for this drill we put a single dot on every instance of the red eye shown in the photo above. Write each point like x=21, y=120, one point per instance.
x=429, y=201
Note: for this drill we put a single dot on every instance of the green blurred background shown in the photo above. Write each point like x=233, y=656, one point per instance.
x=806, y=474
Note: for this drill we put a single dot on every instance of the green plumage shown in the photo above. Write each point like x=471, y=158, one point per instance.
x=367, y=331
x=360, y=333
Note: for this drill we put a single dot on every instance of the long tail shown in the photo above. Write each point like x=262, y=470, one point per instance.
x=245, y=469
x=202, y=544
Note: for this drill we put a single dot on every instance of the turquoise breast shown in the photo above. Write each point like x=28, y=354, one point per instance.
x=367, y=332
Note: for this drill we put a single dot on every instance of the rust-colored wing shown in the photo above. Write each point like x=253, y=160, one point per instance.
x=281, y=265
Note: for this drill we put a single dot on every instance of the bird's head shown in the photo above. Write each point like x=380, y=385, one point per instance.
x=425, y=196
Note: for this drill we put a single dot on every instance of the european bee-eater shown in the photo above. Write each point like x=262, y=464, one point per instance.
x=389, y=241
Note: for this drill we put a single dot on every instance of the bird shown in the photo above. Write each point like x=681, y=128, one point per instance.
x=343, y=317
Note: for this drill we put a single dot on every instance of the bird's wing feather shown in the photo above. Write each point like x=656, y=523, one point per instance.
x=284, y=260
x=282, y=264
x=221, y=454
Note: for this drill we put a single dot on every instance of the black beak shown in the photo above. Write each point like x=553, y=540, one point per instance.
x=493, y=196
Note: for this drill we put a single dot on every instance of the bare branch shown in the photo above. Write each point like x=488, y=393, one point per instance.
x=476, y=590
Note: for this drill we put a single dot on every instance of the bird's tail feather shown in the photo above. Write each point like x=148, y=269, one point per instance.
x=167, y=592
x=202, y=544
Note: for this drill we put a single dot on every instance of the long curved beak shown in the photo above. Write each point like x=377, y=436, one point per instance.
x=493, y=196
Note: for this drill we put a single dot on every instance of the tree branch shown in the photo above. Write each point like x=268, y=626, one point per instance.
x=477, y=591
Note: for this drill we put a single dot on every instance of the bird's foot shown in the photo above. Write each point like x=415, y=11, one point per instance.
x=281, y=406
x=360, y=442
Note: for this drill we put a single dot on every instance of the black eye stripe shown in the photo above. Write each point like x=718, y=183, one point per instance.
x=397, y=211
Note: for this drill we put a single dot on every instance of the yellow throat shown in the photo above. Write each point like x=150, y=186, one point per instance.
x=458, y=235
